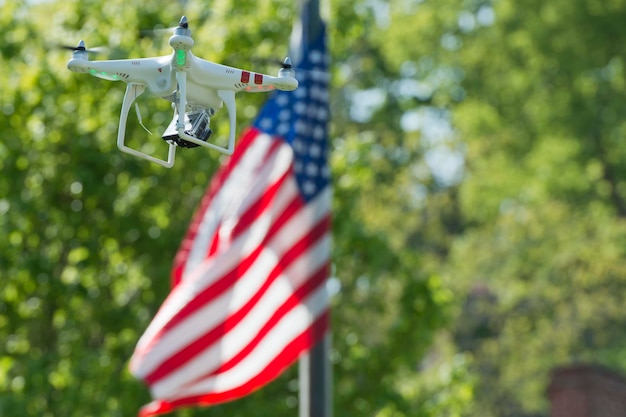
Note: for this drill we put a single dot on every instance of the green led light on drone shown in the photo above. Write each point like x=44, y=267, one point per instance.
x=104, y=74
x=181, y=57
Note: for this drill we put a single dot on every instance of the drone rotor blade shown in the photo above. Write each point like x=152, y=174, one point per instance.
x=157, y=30
x=98, y=49
x=95, y=50
x=286, y=64
x=160, y=30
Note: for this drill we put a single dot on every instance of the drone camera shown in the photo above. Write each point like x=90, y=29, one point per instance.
x=197, y=124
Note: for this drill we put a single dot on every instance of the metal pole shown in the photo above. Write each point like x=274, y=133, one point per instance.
x=315, y=374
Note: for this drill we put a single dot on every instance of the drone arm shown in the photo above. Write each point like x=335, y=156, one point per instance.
x=264, y=83
x=221, y=77
x=155, y=73
x=134, y=90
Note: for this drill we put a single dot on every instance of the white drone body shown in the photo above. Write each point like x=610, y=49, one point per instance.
x=196, y=87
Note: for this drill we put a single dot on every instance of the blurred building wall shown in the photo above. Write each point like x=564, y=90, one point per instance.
x=587, y=391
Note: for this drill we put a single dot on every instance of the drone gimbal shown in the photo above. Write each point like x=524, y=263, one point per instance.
x=197, y=89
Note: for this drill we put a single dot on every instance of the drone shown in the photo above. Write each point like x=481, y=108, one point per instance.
x=196, y=88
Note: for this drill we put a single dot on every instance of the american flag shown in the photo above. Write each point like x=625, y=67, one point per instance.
x=249, y=295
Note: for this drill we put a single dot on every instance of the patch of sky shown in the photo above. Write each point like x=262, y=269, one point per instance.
x=380, y=10
x=365, y=103
x=485, y=16
x=468, y=21
x=409, y=87
x=444, y=156
x=451, y=42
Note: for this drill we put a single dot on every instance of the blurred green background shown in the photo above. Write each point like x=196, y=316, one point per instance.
x=479, y=210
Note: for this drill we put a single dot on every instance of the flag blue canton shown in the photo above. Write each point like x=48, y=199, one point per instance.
x=300, y=118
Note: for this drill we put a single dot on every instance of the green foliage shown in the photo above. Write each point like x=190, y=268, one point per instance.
x=89, y=233
x=535, y=94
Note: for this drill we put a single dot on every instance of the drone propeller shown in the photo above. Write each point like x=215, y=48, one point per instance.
x=81, y=47
x=158, y=30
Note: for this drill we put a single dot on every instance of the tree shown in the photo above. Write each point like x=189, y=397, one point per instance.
x=90, y=232
x=534, y=96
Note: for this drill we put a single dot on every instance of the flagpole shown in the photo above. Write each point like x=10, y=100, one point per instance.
x=314, y=368
x=315, y=377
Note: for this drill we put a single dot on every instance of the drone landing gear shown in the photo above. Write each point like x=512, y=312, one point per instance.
x=196, y=125
x=193, y=131
x=134, y=90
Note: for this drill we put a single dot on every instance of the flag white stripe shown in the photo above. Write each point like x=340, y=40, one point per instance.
x=208, y=272
x=244, y=332
x=286, y=330
x=237, y=185
x=252, y=237
x=207, y=317
x=277, y=294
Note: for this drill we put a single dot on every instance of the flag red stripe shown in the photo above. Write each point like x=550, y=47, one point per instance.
x=314, y=281
x=194, y=348
x=218, y=287
x=219, y=179
x=301, y=293
x=206, y=296
x=252, y=213
x=247, y=139
x=271, y=154
x=291, y=209
x=292, y=351
x=288, y=356
x=184, y=382
x=259, y=207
